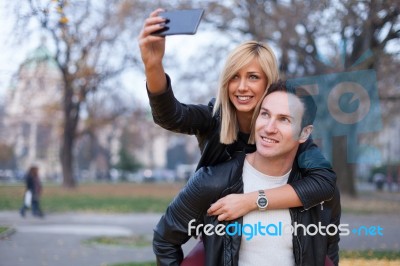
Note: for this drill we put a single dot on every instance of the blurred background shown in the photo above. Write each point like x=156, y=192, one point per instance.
x=74, y=102
x=74, y=98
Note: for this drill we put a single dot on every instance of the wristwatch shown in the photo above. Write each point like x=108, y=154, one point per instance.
x=262, y=201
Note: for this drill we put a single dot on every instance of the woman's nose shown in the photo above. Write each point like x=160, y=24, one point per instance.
x=243, y=85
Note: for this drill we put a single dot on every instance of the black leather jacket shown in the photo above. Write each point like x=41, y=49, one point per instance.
x=211, y=183
x=198, y=120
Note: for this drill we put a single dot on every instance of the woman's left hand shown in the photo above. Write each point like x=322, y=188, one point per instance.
x=233, y=206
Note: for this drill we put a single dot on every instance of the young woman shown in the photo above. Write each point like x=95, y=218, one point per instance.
x=223, y=126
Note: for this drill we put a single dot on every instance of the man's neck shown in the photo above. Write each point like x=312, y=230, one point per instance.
x=275, y=166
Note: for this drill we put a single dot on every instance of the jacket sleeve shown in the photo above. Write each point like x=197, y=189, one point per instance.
x=319, y=179
x=172, y=115
x=172, y=230
x=333, y=241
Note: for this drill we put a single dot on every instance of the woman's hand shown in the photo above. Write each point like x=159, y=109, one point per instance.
x=152, y=48
x=233, y=206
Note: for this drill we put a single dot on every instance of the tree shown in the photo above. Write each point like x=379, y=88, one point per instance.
x=316, y=38
x=366, y=30
x=127, y=162
x=92, y=43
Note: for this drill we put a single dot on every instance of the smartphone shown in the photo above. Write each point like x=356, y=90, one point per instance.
x=182, y=21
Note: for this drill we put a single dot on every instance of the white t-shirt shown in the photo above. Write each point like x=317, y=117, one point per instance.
x=275, y=246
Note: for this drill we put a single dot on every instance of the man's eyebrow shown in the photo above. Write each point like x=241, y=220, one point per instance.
x=280, y=115
x=286, y=116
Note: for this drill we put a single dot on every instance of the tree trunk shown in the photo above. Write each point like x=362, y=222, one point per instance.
x=67, y=162
x=71, y=116
x=345, y=171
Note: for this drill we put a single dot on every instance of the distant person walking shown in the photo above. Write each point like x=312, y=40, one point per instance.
x=32, y=193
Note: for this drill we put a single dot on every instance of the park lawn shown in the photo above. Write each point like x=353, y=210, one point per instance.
x=131, y=197
x=3, y=229
x=96, y=197
x=154, y=197
x=365, y=262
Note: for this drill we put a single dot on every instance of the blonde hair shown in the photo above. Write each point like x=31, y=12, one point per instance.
x=237, y=59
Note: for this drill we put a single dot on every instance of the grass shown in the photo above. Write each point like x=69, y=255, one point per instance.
x=371, y=254
x=369, y=258
x=3, y=229
x=127, y=241
x=372, y=203
x=130, y=197
x=107, y=198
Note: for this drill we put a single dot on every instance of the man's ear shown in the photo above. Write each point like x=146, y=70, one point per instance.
x=305, y=133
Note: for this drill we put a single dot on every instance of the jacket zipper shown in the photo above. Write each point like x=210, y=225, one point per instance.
x=294, y=217
x=321, y=203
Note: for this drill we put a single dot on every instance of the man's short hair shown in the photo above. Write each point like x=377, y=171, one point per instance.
x=310, y=107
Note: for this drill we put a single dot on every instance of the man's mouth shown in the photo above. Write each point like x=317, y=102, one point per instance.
x=268, y=140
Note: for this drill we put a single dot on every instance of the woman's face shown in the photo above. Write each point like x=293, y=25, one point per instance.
x=247, y=87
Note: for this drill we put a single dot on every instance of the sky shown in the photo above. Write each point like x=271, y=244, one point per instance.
x=8, y=60
x=12, y=55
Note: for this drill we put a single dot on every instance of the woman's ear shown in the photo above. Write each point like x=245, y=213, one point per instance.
x=305, y=133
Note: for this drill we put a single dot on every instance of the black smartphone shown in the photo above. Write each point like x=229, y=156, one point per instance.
x=182, y=21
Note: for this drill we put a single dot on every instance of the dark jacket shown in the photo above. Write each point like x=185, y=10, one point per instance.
x=34, y=185
x=198, y=120
x=211, y=183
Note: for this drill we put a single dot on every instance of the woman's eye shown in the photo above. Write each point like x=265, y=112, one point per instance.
x=253, y=77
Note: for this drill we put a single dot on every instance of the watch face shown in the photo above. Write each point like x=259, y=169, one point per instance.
x=262, y=202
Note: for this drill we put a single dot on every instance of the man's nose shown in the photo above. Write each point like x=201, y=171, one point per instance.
x=270, y=126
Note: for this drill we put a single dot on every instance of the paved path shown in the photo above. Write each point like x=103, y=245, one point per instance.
x=57, y=239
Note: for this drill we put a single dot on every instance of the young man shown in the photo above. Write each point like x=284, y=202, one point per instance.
x=262, y=237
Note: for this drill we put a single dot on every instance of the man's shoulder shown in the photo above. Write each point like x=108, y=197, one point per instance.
x=221, y=173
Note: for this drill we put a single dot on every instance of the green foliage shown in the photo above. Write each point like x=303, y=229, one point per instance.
x=127, y=162
x=6, y=156
x=385, y=169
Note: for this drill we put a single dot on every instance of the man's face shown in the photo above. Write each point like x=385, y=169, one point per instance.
x=278, y=126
